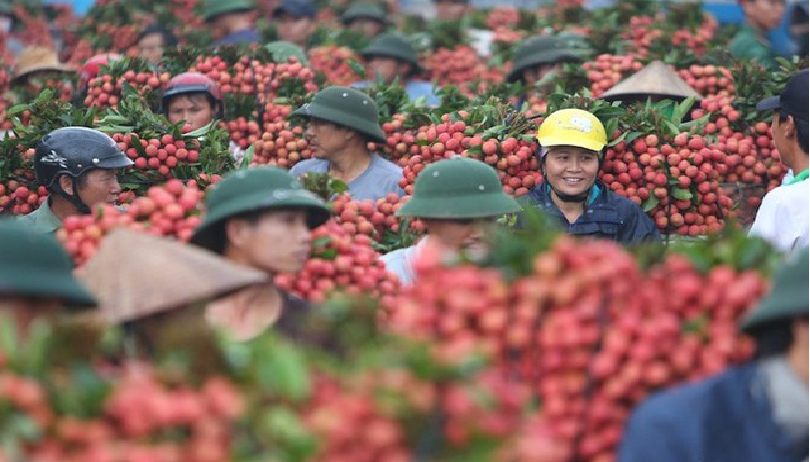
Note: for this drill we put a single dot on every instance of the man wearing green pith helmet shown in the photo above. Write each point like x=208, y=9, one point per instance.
x=753, y=412
x=36, y=276
x=261, y=218
x=341, y=123
x=232, y=22
x=458, y=199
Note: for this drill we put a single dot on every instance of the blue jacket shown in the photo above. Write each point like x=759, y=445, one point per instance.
x=726, y=418
x=607, y=215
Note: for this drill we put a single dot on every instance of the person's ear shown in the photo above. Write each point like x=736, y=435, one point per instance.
x=237, y=232
x=789, y=127
x=66, y=183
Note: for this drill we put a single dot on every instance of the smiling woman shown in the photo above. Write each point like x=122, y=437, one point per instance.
x=571, y=143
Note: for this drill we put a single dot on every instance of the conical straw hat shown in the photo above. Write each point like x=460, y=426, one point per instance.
x=135, y=274
x=37, y=58
x=657, y=79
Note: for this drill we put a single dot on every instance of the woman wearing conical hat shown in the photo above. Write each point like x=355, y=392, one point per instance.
x=156, y=289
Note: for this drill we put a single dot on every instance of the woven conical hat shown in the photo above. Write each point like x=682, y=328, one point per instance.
x=38, y=58
x=135, y=274
x=657, y=79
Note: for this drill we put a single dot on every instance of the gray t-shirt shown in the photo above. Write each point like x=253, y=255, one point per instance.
x=380, y=178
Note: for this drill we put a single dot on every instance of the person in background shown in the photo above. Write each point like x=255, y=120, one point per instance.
x=157, y=288
x=761, y=17
x=799, y=25
x=458, y=200
x=79, y=166
x=36, y=277
x=8, y=19
x=341, y=123
x=537, y=60
x=232, y=22
x=784, y=216
x=572, y=143
x=153, y=41
x=452, y=10
x=194, y=98
x=260, y=218
x=391, y=57
x=295, y=21
x=368, y=18
x=754, y=412
x=37, y=63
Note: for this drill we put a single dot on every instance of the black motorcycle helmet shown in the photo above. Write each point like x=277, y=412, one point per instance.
x=74, y=151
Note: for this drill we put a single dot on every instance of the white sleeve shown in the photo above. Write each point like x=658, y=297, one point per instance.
x=772, y=223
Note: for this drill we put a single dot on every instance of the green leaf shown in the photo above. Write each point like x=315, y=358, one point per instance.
x=248, y=159
x=650, y=203
x=681, y=194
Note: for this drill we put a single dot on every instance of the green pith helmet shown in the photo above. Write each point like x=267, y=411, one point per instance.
x=282, y=51
x=35, y=265
x=577, y=43
x=255, y=189
x=392, y=45
x=346, y=107
x=362, y=10
x=788, y=298
x=458, y=188
x=214, y=8
x=540, y=50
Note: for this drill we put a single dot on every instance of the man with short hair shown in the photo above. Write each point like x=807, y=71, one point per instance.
x=79, y=166
x=753, y=412
x=342, y=121
x=761, y=17
x=232, y=22
x=784, y=216
x=153, y=41
x=295, y=21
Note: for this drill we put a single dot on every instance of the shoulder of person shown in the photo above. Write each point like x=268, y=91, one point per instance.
x=384, y=164
x=686, y=403
x=308, y=165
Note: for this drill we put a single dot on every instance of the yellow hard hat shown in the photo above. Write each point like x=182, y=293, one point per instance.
x=572, y=127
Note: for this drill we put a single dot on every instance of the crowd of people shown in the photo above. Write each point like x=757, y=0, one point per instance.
x=258, y=222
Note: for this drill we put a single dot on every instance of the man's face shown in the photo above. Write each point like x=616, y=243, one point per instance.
x=387, y=69
x=294, y=30
x=764, y=14
x=278, y=242
x=571, y=170
x=458, y=235
x=450, y=10
x=535, y=74
x=194, y=109
x=151, y=48
x=98, y=187
x=325, y=138
x=368, y=27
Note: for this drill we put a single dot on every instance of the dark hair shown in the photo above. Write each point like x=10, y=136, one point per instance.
x=169, y=40
x=801, y=130
x=773, y=339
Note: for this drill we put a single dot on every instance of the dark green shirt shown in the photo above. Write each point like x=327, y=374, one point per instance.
x=43, y=219
x=750, y=44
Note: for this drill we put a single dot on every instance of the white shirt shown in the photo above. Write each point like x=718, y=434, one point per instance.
x=783, y=218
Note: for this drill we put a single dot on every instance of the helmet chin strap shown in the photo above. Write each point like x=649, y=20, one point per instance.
x=580, y=198
x=74, y=199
